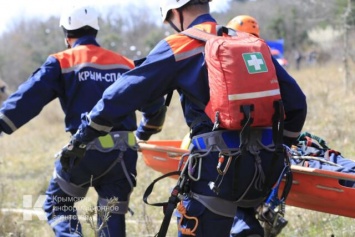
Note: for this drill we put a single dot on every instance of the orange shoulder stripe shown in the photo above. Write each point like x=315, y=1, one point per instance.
x=91, y=54
x=184, y=46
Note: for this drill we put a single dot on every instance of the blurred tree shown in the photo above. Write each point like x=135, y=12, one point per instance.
x=133, y=31
x=28, y=43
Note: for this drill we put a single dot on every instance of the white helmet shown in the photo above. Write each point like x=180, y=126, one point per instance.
x=77, y=17
x=167, y=5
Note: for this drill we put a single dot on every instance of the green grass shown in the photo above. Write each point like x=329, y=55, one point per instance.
x=27, y=156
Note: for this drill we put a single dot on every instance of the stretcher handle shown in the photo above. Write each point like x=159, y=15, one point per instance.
x=151, y=147
x=323, y=173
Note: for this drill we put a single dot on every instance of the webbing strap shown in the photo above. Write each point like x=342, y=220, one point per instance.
x=229, y=140
x=149, y=189
x=119, y=159
x=277, y=133
x=168, y=206
x=70, y=188
x=278, y=122
x=168, y=212
x=201, y=35
x=278, y=127
x=117, y=140
x=216, y=205
x=168, y=98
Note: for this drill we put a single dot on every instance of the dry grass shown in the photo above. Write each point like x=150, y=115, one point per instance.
x=331, y=116
x=330, y=106
x=27, y=156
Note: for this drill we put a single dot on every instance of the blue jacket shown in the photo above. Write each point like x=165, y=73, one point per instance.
x=78, y=77
x=177, y=62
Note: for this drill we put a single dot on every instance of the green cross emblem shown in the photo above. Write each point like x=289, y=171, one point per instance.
x=255, y=62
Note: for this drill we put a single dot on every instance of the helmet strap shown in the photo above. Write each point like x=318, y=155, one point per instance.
x=181, y=16
x=67, y=43
x=181, y=19
x=173, y=26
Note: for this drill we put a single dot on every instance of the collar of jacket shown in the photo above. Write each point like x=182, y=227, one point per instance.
x=86, y=40
x=202, y=19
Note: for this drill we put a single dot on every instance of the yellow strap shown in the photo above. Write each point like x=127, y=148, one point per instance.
x=131, y=139
x=106, y=141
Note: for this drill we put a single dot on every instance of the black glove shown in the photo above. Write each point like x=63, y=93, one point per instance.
x=71, y=154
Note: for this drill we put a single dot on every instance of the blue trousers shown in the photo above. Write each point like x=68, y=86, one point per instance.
x=59, y=205
x=245, y=224
x=209, y=223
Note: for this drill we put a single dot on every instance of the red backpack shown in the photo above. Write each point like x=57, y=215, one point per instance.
x=242, y=79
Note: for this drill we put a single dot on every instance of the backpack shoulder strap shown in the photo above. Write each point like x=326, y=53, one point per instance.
x=199, y=34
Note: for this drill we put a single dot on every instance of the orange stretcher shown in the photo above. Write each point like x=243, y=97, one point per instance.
x=163, y=156
x=312, y=189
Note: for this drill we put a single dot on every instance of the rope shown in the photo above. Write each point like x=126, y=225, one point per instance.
x=321, y=159
x=186, y=231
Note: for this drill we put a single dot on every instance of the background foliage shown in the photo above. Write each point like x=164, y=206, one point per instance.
x=305, y=25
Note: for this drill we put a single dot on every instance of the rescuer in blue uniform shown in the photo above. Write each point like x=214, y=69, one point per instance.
x=78, y=76
x=177, y=63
